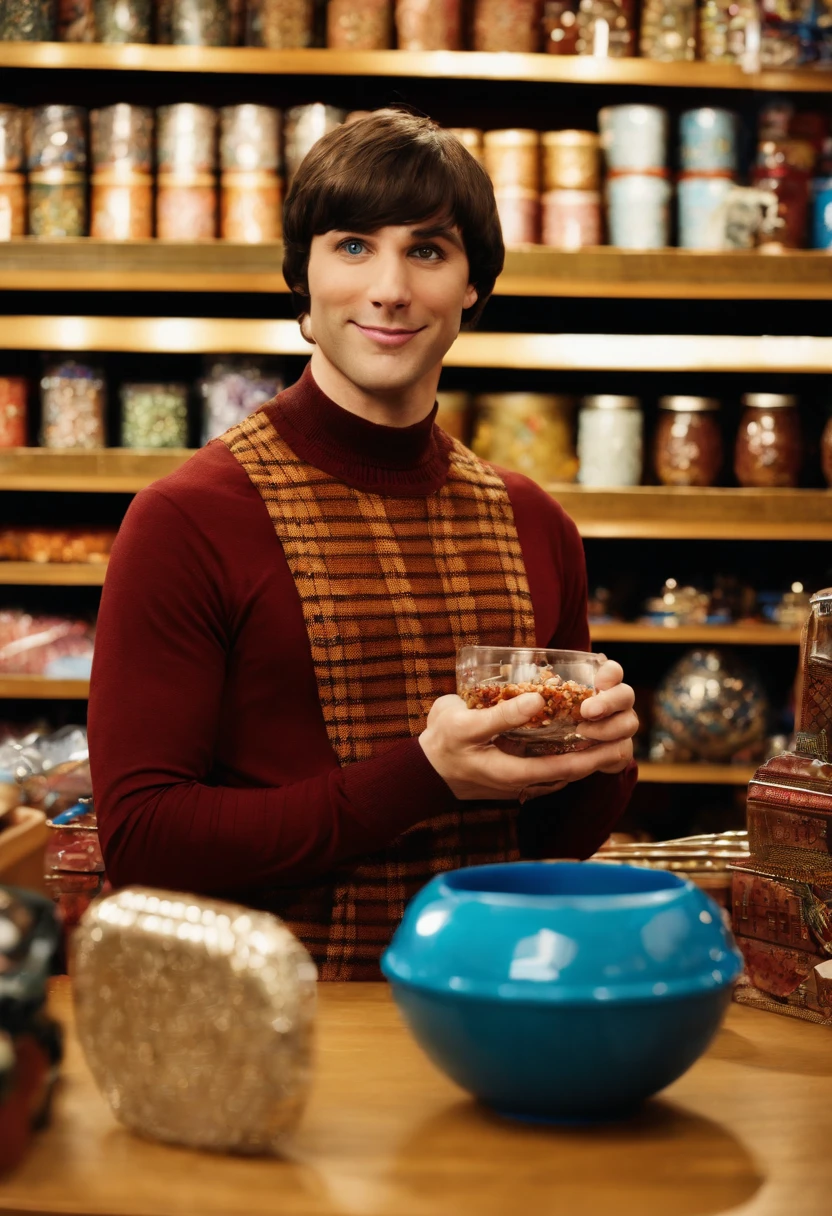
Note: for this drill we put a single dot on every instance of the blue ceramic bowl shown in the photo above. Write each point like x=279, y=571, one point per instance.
x=564, y=992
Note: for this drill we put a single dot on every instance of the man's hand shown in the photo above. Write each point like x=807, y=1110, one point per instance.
x=459, y=743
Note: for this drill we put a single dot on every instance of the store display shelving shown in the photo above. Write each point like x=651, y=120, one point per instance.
x=431, y=65
x=37, y=688
x=692, y=635
x=85, y=264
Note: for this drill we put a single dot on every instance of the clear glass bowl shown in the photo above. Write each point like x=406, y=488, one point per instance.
x=566, y=678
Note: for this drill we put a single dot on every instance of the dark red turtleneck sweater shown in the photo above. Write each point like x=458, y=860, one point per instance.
x=212, y=769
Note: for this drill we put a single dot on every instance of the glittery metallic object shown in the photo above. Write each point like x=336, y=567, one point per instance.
x=606, y=29
x=11, y=138
x=709, y=706
x=251, y=207
x=120, y=21
x=154, y=415
x=121, y=208
x=12, y=205
x=13, y=394
x=303, y=126
x=186, y=138
x=186, y=207
x=27, y=21
x=359, y=25
x=249, y=138
x=73, y=404
x=507, y=25
x=57, y=138
x=728, y=30
x=200, y=22
x=429, y=25
x=121, y=138
x=571, y=160
x=668, y=30
x=280, y=24
x=512, y=158
x=57, y=203
x=196, y=1018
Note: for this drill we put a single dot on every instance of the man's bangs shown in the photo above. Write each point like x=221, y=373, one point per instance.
x=398, y=190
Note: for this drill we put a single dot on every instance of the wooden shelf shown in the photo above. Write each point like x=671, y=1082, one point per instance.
x=696, y=635
x=696, y=774
x=102, y=471
x=84, y=264
x=449, y=65
x=52, y=574
x=657, y=513
x=554, y=352
x=42, y=688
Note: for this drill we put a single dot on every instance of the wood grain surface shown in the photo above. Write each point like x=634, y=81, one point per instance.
x=746, y=1131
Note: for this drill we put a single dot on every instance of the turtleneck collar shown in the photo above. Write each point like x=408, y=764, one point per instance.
x=400, y=462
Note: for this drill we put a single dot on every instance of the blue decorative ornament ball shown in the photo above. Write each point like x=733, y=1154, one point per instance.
x=709, y=706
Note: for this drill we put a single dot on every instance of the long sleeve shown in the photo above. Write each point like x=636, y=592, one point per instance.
x=577, y=820
x=170, y=810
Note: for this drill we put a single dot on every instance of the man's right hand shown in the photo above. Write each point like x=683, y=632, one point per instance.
x=459, y=743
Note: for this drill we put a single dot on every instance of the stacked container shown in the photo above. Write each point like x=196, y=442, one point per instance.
x=429, y=25
x=12, y=179
x=122, y=174
x=250, y=185
x=57, y=162
x=303, y=126
x=186, y=200
x=512, y=161
x=571, y=202
x=708, y=154
x=634, y=139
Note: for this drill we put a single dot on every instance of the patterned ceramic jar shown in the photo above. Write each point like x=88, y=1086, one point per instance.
x=610, y=441
x=708, y=141
x=638, y=210
x=702, y=210
x=634, y=138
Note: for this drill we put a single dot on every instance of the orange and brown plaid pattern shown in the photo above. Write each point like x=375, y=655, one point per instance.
x=390, y=589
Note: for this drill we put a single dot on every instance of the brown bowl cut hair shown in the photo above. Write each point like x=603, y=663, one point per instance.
x=392, y=168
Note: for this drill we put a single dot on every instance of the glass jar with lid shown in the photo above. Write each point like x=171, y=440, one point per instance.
x=769, y=448
x=687, y=449
x=610, y=441
x=528, y=432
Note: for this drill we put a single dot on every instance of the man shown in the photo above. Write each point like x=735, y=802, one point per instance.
x=272, y=714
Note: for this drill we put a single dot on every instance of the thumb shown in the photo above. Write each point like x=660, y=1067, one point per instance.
x=484, y=724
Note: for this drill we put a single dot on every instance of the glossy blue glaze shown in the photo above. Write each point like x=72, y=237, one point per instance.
x=568, y=991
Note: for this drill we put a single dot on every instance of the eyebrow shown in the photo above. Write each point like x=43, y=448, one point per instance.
x=439, y=230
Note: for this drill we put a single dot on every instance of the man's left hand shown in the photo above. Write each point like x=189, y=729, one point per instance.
x=609, y=716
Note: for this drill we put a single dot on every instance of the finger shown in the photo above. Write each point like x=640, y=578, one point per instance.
x=514, y=774
x=614, y=701
x=538, y=791
x=484, y=724
x=619, y=726
x=604, y=757
x=608, y=675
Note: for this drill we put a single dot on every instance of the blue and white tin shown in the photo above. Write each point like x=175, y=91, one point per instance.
x=822, y=220
x=708, y=141
x=702, y=211
x=634, y=137
x=638, y=211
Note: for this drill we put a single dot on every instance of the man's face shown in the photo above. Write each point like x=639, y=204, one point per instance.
x=385, y=306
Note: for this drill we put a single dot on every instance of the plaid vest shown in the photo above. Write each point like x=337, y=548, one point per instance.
x=390, y=589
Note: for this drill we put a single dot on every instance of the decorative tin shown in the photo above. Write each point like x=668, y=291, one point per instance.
x=560, y=27
x=12, y=205
x=519, y=212
x=121, y=21
x=76, y=21
x=507, y=25
x=429, y=25
x=186, y=207
x=200, y=22
x=121, y=138
x=668, y=30
x=280, y=24
x=822, y=215
x=186, y=138
x=606, y=29
x=638, y=210
x=27, y=21
x=783, y=895
x=791, y=189
x=708, y=141
x=250, y=207
x=571, y=219
x=121, y=206
x=249, y=138
x=57, y=203
x=571, y=160
x=359, y=25
x=13, y=411
x=729, y=31
x=634, y=137
x=11, y=138
x=56, y=138
x=702, y=201
x=512, y=159
x=303, y=126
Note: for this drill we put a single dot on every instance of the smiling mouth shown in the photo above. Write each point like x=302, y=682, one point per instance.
x=387, y=337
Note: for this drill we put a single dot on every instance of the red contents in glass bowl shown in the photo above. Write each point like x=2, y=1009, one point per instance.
x=563, y=699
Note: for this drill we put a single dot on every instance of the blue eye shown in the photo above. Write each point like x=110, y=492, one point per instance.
x=353, y=246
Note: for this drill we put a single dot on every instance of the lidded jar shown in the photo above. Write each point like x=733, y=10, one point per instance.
x=528, y=432
x=769, y=448
x=688, y=443
x=610, y=441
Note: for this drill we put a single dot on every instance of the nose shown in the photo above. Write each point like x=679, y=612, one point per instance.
x=390, y=284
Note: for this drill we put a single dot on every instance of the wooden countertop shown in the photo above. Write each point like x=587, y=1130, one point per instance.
x=747, y=1131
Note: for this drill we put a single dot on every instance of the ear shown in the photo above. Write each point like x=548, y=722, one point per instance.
x=470, y=298
x=306, y=329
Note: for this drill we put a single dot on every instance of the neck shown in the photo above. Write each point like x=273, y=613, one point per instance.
x=398, y=407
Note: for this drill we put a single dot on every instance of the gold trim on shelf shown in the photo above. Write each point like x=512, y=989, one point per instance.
x=553, y=352
x=448, y=65
x=696, y=635
x=84, y=264
x=101, y=471
x=695, y=774
x=32, y=688
x=52, y=574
